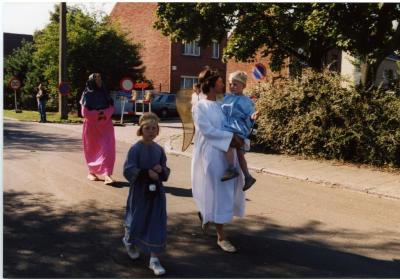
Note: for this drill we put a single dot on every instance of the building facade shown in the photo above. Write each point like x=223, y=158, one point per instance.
x=170, y=66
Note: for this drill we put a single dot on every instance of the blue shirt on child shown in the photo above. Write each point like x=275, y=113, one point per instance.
x=238, y=110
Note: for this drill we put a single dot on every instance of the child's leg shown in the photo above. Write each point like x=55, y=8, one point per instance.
x=231, y=171
x=248, y=179
x=243, y=162
x=230, y=157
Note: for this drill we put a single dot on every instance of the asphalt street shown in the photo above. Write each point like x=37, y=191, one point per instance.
x=59, y=224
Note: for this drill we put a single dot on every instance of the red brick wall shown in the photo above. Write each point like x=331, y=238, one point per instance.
x=248, y=67
x=193, y=65
x=138, y=19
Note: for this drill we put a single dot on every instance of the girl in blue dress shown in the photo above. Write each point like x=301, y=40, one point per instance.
x=146, y=216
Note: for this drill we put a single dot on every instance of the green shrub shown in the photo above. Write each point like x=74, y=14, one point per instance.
x=319, y=115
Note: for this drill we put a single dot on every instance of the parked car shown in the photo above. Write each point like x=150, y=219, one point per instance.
x=164, y=104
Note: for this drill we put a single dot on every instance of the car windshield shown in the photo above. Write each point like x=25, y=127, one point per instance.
x=157, y=98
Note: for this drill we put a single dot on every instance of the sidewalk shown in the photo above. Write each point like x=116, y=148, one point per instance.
x=332, y=174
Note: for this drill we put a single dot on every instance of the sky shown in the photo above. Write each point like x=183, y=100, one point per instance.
x=27, y=17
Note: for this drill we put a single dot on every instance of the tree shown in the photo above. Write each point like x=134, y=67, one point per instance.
x=305, y=31
x=18, y=64
x=93, y=46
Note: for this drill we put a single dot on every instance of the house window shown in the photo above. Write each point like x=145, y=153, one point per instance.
x=191, y=48
x=215, y=50
x=187, y=82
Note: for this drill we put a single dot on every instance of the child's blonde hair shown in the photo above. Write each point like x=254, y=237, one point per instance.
x=147, y=118
x=239, y=76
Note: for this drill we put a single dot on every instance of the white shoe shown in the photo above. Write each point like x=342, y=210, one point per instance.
x=92, y=177
x=226, y=246
x=157, y=268
x=108, y=180
x=132, y=251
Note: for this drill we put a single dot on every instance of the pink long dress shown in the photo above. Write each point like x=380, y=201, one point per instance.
x=99, y=141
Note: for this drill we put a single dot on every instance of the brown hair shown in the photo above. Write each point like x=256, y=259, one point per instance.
x=207, y=78
x=145, y=119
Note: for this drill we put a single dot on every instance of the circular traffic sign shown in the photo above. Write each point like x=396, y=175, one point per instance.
x=64, y=88
x=126, y=84
x=15, y=83
x=259, y=71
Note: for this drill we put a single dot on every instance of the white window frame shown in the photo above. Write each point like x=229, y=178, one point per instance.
x=215, y=49
x=184, y=78
x=191, y=48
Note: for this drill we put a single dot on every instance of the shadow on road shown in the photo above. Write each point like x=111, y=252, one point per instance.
x=180, y=192
x=43, y=238
x=20, y=136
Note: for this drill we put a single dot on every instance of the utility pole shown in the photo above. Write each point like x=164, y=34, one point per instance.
x=62, y=73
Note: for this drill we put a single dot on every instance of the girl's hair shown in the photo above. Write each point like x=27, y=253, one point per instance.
x=148, y=118
x=207, y=79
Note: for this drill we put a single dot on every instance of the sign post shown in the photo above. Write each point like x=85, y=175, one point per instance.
x=15, y=84
x=126, y=85
x=142, y=85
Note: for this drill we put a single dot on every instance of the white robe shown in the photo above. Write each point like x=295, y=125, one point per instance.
x=217, y=201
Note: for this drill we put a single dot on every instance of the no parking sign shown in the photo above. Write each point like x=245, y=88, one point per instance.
x=259, y=71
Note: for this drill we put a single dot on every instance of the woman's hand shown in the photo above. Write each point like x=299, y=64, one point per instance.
x=157, y=169
x=237, y=141
x=255, y=115
x=153, y=175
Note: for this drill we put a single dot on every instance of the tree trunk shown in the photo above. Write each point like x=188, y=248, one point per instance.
x=368, y=72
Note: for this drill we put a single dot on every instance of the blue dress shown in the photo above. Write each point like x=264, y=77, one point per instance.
x=238, y=110
x=146, y=215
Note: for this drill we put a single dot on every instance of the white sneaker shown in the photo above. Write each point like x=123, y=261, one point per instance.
x=157, y=268
x=132, y=251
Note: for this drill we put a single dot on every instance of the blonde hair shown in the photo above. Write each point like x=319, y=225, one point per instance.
x=239, y=76
x=148, y=118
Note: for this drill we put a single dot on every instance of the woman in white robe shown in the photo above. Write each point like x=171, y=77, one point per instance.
x=218, y=202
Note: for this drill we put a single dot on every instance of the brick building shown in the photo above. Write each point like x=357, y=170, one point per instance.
x=171, y=66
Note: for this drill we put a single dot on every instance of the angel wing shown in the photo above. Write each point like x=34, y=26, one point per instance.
x=184, y=108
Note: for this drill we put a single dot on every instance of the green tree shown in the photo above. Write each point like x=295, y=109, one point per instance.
x=305, y=31
x=18, y=64
x=93, y=45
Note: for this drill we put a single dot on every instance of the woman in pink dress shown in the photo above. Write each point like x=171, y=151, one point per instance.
x=98, y=130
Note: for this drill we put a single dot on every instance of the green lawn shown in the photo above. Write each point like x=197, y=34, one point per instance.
x=34, y=116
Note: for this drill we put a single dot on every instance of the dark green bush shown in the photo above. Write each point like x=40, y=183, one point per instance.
x=321, y=116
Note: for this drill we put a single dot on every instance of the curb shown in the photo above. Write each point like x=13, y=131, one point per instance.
x=169, y=150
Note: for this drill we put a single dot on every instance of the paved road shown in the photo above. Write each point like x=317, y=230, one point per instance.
x=58, y=224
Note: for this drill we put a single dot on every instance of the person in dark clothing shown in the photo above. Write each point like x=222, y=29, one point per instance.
x=42, y=98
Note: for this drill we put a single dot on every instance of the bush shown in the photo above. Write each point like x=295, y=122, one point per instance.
x=317, y=115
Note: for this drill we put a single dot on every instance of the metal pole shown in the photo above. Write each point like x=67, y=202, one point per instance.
x=122, y=109
x=15, y=97
x=62, y=76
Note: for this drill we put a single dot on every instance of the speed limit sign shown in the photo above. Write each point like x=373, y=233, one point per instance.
x=15, y=83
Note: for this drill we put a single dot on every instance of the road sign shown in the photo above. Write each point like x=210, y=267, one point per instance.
x=15, y=83
x=64, y=88
x=141, y=85
x=259, y=71
x=126, y=84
